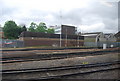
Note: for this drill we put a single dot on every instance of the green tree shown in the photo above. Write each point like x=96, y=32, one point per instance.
x=23, y=28
x=19, y=29
x=50, y=30
x=11, y=30
x=32, y=27
x=41, y=27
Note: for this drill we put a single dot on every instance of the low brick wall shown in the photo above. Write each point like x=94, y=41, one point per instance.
x=34, y=41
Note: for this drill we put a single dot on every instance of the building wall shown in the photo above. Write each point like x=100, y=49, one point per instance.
x=112, y=38
x=34, y=41
x=69, y=30
x=90, y=41
x=57, y=29
x=118, y=39
x=102, y=40
x=64, y=29
x=117, y=35
x=99, y=40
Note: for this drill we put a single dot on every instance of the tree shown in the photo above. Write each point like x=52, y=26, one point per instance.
x=50, y=30
x=41, y=27
x=19, y=29
x=23, y=28
x=11, y=30
x=32, y=27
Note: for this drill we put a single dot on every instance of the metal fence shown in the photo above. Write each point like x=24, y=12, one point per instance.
x=100, y=44
x=17, y=44
x=11, y=43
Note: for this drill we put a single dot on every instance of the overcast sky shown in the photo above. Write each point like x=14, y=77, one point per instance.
x=87, y=15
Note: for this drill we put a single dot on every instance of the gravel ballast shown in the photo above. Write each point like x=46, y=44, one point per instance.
x=62, y=62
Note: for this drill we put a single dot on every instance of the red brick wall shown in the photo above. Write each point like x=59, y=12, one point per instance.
x=29, y=41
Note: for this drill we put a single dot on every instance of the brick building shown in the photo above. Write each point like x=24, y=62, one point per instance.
x=44, y=39
x=64, y=29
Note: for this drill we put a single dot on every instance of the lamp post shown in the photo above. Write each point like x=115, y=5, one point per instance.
x=60, y=29
x=60, y=37
x=78, y=40
x=66, y=39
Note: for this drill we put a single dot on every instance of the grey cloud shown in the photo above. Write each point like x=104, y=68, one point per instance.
x=95, y=13
x=119, y=15
x=37, y=16
x=106, y=11
x=111, y=24
x=109, y=15
x=38, y=13
x=6, y=10
x=72, y=17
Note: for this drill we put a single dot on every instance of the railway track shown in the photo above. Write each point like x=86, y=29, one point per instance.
x=38, y=57
x=63, y=48
x=60, y=72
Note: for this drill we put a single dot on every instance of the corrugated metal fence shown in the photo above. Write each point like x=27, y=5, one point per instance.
x=11, y=43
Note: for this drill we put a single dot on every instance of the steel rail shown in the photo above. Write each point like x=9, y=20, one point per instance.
x=59, y=68
x=78, y=73
x=29, y=49
x=54, y=56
